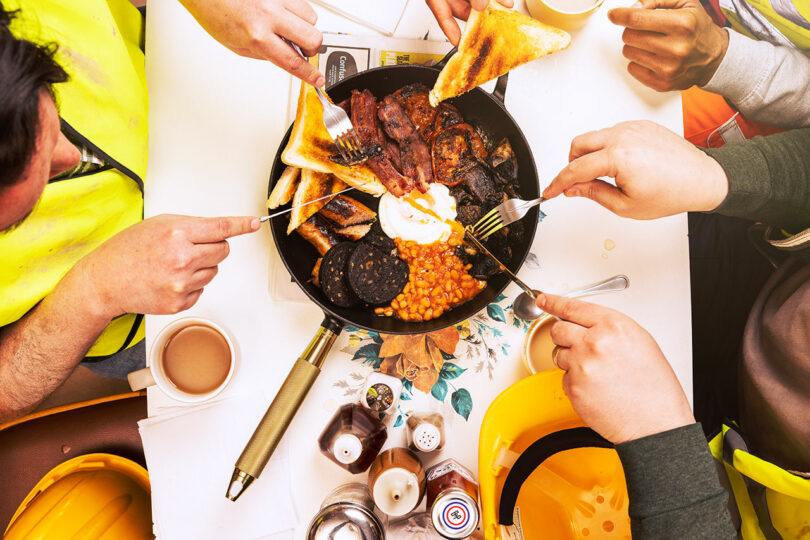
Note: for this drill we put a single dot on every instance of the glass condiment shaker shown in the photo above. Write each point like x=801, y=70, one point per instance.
x=425, y=432
x=353, y=438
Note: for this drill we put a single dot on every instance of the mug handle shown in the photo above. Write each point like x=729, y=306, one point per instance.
x=138, y=380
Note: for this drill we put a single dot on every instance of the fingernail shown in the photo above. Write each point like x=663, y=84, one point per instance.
x=541, y=300
x=255, y=224
x=321, y=81
x=573, y=192
x=637, y=5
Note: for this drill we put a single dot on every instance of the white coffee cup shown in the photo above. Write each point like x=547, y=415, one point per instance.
x=568, y=14
x=155, y=373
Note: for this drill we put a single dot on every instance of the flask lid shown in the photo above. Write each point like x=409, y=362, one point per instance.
x=347, y=448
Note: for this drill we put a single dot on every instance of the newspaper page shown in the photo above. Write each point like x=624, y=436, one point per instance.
x=341, y=56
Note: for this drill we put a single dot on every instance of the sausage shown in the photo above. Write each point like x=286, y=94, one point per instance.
x=346, y=211
x=319, y=233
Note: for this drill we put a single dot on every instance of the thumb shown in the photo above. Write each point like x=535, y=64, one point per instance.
x=632, y=17
x=601, y=192
x=571, y=310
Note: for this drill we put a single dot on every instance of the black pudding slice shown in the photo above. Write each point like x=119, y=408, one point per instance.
x=333, y=275
x=375, y=276
x=377, y=238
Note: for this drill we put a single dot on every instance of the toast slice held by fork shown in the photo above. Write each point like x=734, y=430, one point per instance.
x=495, y=41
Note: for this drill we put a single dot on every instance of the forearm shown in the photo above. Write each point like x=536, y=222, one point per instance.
x=768, y=179
x=673, y=487
x=766, y=82
x=38, y=352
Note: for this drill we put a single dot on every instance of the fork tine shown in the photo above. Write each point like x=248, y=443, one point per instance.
x=491, y=229
x=357, y=142
x=485, y=223
x=351, y=145
x=486, y=216
x=490, y=233
x=344, y=151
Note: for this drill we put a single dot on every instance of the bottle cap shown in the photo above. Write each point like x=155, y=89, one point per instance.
x=347, y=448
x=426, y=437
x=397, y=491
x=455, y=515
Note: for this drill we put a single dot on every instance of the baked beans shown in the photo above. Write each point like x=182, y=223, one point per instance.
x=438, y=281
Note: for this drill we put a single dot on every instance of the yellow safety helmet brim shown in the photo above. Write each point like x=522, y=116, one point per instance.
x=101, y=496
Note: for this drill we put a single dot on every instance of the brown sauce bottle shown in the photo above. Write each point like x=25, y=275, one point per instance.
x=353, y=438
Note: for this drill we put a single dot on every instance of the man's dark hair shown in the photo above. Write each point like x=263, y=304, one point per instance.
x=25, y=69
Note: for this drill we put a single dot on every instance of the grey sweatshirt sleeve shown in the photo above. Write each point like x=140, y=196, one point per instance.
x=766, y=82
x=673, y=487
x=768, y=179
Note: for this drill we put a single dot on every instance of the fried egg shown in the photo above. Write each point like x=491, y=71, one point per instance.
x=419, y=217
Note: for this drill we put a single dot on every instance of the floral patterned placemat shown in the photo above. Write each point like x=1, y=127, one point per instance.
x=451, y=366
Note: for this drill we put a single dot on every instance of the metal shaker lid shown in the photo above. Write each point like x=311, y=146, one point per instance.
x=345, y=521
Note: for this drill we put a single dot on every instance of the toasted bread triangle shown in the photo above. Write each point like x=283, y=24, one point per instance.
x=285, y=188
x=311, y=147
x=313, y=185
x=495, y=41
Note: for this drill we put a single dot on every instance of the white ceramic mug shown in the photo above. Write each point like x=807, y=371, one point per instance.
x=154, y=373
x=569, y=15
x=544, y=362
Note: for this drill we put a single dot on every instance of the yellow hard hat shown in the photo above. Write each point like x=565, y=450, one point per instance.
x=566, y=483
x=93, y=497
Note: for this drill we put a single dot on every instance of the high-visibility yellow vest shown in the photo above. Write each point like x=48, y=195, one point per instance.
x=103, y=104
x=765, y=19
x=773, y=503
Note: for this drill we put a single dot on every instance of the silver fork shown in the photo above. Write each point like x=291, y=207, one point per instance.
x=502, y=215
x=338, y=125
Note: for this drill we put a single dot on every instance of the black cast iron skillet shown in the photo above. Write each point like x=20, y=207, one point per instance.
x=478, y=108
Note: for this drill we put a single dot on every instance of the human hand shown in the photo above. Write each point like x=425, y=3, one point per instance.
x=671, y=44
x=617, y=378
x=657, y=172
x=160, y=265
x=445, y=10
x=254, y=28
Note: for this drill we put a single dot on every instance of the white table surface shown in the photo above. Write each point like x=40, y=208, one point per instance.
x=216, y=121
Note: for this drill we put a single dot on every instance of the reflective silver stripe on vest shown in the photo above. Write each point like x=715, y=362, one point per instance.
x=756, y=23
x=788, y=10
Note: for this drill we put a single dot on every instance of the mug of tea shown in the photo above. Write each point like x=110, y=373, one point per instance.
x=538, y=350
x=568, y=14
x=191, y=360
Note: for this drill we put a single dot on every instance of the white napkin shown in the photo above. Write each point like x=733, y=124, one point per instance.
x=190, y=455
x=380, y=16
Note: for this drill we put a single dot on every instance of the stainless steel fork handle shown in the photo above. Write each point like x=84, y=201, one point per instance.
x=293, y=45
x=322, y=96
x=533, y=202
x=611, y=284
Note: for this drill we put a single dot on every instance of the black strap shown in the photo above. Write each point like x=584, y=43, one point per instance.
x=133, y=331
x=734, y=440
x=535, y=455
x=67, y=128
